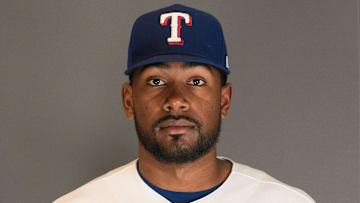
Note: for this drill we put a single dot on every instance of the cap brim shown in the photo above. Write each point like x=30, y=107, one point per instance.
x=175, y=58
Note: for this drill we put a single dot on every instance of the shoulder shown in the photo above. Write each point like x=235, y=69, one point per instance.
x=264, y=188
x=100, y=188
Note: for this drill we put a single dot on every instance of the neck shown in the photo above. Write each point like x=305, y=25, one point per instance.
x=201, y=174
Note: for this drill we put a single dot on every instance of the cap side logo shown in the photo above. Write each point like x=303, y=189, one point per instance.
x=176, y=17
x=227, y=62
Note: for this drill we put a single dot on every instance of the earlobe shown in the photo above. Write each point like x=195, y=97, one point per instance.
x=226, y=93
x=127, y=100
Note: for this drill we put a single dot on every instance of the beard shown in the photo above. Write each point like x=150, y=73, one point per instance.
x=179, y=152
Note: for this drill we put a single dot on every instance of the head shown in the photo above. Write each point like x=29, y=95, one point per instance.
x=177, y=92
x=177, y=107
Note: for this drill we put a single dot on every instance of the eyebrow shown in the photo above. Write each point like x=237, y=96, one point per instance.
x=186, y=65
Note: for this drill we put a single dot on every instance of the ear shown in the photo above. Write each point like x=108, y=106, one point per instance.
x=127, y=99
x=226, y=93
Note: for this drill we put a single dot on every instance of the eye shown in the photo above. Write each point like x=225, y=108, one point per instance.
x=156, y=82
x=197, y=82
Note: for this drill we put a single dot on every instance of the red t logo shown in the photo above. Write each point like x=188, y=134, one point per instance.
x=175, y=25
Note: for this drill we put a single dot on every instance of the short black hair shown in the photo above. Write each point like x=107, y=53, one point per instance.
x=223, y=76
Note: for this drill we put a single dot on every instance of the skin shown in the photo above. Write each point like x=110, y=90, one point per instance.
x=177, y=88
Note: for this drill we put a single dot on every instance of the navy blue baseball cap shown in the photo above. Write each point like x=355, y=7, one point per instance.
x=177, y=33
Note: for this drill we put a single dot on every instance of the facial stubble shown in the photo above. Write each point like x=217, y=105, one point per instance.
x=179, y=152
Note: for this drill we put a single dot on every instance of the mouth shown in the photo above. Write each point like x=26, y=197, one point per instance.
x=176, y=127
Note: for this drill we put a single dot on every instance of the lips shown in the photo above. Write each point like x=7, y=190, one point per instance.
x=173, y=127
x=172, y=123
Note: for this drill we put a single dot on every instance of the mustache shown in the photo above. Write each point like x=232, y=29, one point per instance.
x=177, y=117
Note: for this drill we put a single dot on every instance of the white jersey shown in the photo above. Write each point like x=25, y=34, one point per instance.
x=243, y=185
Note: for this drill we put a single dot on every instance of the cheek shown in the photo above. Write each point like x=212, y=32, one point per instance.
x=208, y=110
x=146, y=108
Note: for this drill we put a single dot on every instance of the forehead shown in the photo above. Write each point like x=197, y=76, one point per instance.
x=168, y=66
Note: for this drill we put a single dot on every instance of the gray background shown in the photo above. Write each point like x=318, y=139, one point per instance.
x=294, y=114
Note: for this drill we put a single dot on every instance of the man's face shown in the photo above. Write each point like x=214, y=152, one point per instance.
x=177, y=108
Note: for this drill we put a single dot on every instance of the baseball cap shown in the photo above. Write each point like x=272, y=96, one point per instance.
x=177, y=33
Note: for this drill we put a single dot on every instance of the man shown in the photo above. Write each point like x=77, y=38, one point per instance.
x=177, y=95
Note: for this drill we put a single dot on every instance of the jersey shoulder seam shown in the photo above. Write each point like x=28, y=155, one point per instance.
x=279, y=184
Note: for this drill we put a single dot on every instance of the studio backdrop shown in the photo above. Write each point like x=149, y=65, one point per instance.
x=294, y=114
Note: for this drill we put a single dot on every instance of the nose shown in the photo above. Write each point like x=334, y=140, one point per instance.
x=176, y=101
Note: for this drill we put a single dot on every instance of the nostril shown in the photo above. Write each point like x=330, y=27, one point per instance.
x=175, y=104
